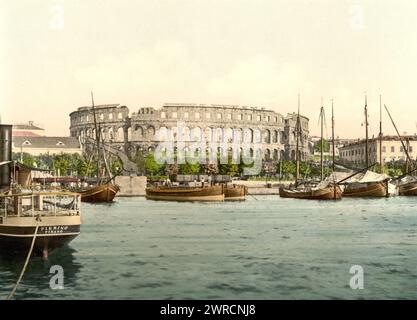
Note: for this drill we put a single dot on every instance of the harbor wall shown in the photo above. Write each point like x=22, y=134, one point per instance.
x=131, y=186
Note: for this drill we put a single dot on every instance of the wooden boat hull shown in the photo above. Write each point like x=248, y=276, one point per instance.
x=101, y=193
x=373, y=189
x=328, y=193
x=235, y=192
x=210, y=193
x=408, y=189
x=16, y=233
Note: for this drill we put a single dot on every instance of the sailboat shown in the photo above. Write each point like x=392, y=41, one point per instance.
x=326, y=189
x=368, y=183
x=406, y=184
x=104, y=191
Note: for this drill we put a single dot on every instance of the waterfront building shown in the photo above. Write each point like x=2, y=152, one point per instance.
x=36, y=145
x=392, y=150
x=143, y=130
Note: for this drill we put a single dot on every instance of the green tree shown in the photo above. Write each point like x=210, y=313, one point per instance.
x=151, y=166
x=326, y=146
x=188, y=168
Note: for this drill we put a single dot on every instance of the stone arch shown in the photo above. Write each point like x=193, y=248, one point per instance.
x=219, y=135
x=275, y=155
x=276, y=136
x=238, y=135
x=229, y=135
x=174, y=133
x=282, y=155
x=138, y=132
x=186, y=134
x=267, y=137
x=196, y=134
x=163, y=134
x=129, y=133
x=248, y=135
x=267, y=154
x=120, y=134
x=208, y=132
x=150, y=132
x=257, y=136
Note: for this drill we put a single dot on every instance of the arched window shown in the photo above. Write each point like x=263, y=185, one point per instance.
x=219, y=135
x=267, y=136
x=196, y=134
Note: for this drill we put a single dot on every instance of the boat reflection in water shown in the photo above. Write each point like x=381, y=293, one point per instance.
x=36, y=282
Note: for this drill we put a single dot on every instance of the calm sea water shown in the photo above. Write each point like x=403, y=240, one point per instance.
x=270, y=248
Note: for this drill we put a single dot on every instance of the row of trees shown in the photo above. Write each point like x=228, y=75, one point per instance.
x=79, y=165
x=66, y=164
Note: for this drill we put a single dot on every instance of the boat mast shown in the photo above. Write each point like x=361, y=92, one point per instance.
x=321, y=141
x=333, y=147
x=366, y=135
x=380, y=135
x=399, y=136
x=333, y=156
x=97, y=137
x=297, y=133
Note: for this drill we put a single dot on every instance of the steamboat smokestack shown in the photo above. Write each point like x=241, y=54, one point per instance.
x=5, y=154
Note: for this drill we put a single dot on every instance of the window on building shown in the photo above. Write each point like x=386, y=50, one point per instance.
x=267, y=118
x=101, y=116
x=120, y=116
x=410, y=149
x=258, y=118
x=275, y=119
x=219, y=116
x=249, y=117
x=110, y=116
x=197, y=115
x=174, y=115
x=392, y=149
x=163, y=115
x=401, y=149
x=229, y=116
x=240, y=117
x=384, y=149
x=208, y=115
x=185, y=115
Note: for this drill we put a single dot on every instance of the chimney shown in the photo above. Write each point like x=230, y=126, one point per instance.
x=5, y=154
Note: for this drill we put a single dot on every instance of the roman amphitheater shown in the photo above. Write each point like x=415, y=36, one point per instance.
x=258, y=129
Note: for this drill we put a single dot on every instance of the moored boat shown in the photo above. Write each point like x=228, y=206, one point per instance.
x=326, y=193
x=368, y=189
x=408, y=187
x=100, y=193
x=52, y=218
x=209, y=193
x=235, y=192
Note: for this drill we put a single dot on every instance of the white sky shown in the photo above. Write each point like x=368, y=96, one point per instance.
x=260, y=53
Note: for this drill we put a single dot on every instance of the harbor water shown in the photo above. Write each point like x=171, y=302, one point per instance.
x=263, y=248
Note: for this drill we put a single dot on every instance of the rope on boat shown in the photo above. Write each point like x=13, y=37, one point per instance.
x=12, y=293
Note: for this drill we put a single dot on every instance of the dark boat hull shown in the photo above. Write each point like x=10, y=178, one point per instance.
x=328, y=193
x=373, y=189
x=101, y=193
x=16, y=234
x=210, y=193
x=408, y=189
